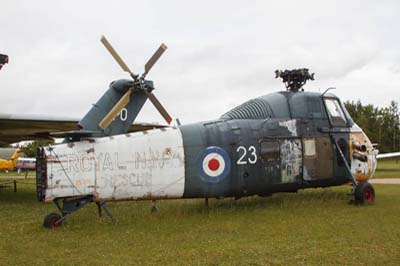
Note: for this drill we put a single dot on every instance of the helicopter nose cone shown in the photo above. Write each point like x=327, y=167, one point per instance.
x=363, y=157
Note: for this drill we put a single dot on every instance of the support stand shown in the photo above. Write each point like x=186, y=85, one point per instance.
x=66, y=206
x=153, y=206
x=363, y=192
x=102, y=204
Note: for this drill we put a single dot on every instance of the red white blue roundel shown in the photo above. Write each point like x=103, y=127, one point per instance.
x=214, y=164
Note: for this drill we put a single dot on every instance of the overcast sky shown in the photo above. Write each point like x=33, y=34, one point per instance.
x=220, y=53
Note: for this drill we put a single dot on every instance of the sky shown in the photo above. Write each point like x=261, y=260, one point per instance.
x=220, y=53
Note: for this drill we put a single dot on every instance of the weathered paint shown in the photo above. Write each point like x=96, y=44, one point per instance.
x=363, y=156
x=135, y=166
x=290, y=125
x=227, y=157
x=291, y=160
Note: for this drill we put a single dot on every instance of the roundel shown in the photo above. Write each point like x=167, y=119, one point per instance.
x=214, y=164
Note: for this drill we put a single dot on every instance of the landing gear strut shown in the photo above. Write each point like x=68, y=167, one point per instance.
x=153, y=207
x=67, y=206
x=363, y=191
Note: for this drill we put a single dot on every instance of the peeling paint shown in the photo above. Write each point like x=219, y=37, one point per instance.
x=309, y=147
x=291, y=159
x=119, y=168
x=290, y=125
x=363, y=163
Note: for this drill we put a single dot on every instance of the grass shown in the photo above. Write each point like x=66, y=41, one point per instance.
x=311, y=227
x=12, y=174
x=388, y=168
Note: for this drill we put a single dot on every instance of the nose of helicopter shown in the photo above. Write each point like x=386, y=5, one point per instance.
x=363, y=163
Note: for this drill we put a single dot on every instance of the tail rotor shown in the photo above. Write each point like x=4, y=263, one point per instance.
x=139, y=84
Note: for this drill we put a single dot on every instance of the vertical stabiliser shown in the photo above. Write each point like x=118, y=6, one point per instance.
x=124, y=119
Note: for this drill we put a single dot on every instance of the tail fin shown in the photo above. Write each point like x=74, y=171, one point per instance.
x=15, y=155
x=124, y=119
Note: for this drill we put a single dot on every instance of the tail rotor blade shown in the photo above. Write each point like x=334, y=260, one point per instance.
x=115, y=55
x=159, y=107
x=115, y=110
x=154, y=58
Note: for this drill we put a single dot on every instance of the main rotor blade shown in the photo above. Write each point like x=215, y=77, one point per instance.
x=154, y=58
x=115, y=55
x=159, y=107
x=115, y=110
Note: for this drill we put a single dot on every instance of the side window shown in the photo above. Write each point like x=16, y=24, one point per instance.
x=270, y=150
x=315, y=107
x=335, y=112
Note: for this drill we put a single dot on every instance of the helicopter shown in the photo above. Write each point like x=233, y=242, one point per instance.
x=281, y=142
x=9, y=165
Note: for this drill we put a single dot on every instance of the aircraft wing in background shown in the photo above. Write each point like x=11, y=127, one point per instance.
x=388, y=155
x=15, y=128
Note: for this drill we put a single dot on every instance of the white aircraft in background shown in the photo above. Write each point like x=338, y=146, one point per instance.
x=26, y=163
x=388, y=155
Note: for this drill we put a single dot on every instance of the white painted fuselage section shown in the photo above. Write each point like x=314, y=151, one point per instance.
x=142, y=165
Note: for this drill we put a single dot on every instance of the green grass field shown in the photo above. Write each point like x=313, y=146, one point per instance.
x=388, y=168
x=14, y=173
x=312, y=227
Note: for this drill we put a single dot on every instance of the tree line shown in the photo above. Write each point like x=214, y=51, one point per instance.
x=382, y=125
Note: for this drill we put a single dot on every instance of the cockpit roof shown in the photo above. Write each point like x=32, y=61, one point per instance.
x=283, y=104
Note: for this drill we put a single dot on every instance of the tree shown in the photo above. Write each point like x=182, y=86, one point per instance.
x=30, y=149
x=381, y=125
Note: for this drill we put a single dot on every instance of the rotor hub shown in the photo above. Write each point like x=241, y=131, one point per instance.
x=294, y=79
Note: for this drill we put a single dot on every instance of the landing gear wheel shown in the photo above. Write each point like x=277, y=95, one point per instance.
x=153, y=206
x=153, y=209
x=50, y=221
x=364, y=193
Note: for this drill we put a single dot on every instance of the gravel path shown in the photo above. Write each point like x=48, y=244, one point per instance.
x=385, y=181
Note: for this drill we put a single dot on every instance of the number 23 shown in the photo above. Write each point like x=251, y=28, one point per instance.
x=252, y=157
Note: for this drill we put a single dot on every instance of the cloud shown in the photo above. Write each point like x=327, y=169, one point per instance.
x=220, y=53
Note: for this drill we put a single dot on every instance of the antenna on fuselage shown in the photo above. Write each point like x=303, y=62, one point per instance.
x=294, y=79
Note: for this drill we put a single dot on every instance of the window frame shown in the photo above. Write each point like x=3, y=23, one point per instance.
x=266, y=159
x=343, y=113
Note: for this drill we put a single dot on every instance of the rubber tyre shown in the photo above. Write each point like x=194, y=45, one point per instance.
x=51, y=219
x=364, y=193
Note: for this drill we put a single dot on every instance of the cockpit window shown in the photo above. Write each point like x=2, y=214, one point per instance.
x=335, y=112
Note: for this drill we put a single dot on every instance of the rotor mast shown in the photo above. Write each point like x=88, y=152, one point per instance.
x=294, y=79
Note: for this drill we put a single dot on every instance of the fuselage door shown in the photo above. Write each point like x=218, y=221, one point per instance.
x=270, y=153
x=318, y=158
x=283, y=160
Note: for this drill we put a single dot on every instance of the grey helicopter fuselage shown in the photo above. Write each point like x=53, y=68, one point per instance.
x=280, y=142
x=283, y=141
